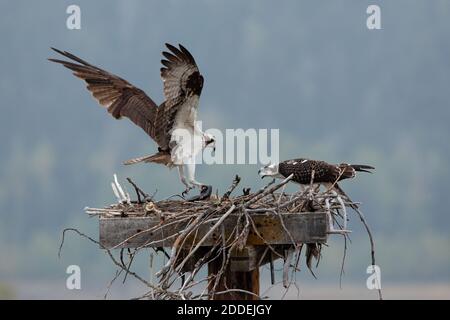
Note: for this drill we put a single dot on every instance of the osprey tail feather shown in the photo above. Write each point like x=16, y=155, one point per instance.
x=362, y=168
x=160, y=157
x=349, y=170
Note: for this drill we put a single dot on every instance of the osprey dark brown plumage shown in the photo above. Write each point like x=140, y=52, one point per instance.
x=182, y=80
x=324, y=172
x=168, y=123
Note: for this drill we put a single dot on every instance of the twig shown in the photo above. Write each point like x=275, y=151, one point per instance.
x=188, y=245
x=207, y=235
x=139, y=191
x=343, y=261
x=269, y=191
x=287, y=264
x=372, y=244
x=107, y=251
x=272, y=272
x=233, y=186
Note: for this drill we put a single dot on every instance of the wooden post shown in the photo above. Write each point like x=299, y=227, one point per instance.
x=244, y=280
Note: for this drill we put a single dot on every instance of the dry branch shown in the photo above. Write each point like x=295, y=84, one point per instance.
x=189, y=255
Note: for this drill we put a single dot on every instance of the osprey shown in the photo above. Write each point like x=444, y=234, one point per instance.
x=172, y=125
x=324, y=173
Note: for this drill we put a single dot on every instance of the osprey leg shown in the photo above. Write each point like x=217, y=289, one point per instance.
x=205, y=190
x=183, y=180
x=191, y=175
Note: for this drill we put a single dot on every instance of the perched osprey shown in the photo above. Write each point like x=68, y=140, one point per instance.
x=172, y=125
x=324, y=173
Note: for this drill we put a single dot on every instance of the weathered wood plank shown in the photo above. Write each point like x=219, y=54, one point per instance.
x=304, y=227
x=232, y=279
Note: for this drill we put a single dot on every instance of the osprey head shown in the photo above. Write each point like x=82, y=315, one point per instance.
x=270, y=170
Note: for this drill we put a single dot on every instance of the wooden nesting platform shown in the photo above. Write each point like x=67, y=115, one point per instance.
x=271, y=235
x=232, y=236
x=277, y=230
x=131, y=232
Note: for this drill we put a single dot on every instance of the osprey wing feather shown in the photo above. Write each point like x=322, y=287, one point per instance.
x=180, y=75
x=183, y=84
x=120, y=98
x=181, y=79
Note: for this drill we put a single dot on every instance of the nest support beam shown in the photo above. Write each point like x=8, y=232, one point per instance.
x=242, y=280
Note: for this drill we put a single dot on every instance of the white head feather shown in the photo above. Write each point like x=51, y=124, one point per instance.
x=270, y=170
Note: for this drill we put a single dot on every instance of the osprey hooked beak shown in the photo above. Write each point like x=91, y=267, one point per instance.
x=210, y=141
x=268, y=170
x=262, y=175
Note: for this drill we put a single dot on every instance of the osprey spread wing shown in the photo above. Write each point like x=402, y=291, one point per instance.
x=183, y=85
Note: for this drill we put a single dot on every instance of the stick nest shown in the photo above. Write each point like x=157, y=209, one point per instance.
x=180, y=277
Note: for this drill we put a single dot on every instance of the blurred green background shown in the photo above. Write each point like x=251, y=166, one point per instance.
x=336, y=90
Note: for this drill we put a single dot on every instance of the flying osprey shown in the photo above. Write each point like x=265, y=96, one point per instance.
x=172, y=125
x=324, y=173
